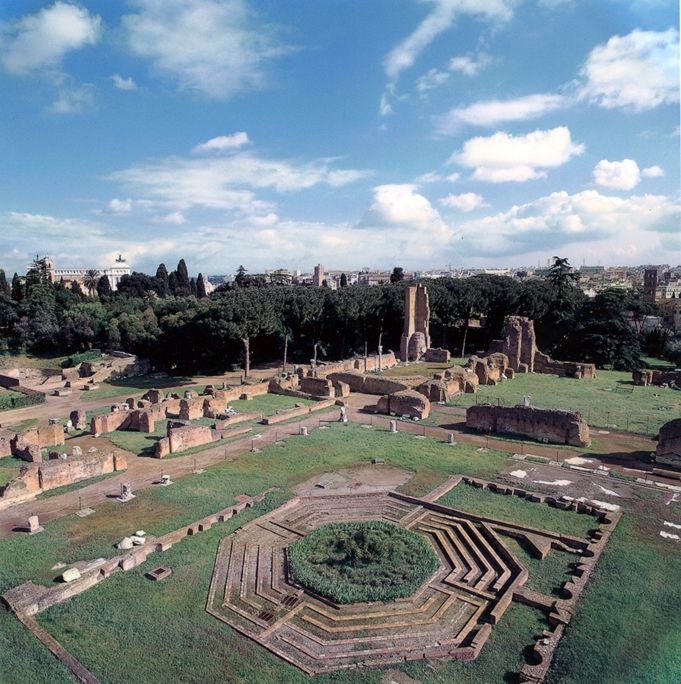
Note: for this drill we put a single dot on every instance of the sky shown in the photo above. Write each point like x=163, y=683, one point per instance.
x=352, y=133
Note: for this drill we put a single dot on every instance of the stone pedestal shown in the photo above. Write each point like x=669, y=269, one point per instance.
x=303, y=431
x=393, y=426
x=34, y=525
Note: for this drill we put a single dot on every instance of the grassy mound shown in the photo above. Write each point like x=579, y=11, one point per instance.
x=362, y=561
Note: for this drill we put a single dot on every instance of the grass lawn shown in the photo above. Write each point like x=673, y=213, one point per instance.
x=9, y=468
x=162, y=509
x=627, y=626
x=10, y=360
x=603, y=401
x=546, y=576
x=517, y=510
x=126, y=387
x=169, y=619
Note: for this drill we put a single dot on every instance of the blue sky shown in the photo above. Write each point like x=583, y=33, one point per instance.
x=283, y=133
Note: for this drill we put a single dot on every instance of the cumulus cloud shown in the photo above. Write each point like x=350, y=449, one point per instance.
x=124, y=83
x=466, y=201
x=494, y=112
x=224, y=143
x=41, y=40
x=503, y=157
x=653, y=172
x=175, y=218
x=618, y=175
x=216, y=48
x=638, y=71
x=560, y=219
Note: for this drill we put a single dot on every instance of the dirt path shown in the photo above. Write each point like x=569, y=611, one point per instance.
x=145, y=472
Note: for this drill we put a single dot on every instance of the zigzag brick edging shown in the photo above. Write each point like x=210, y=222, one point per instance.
x=450, y=616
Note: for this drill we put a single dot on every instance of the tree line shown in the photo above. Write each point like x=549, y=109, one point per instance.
x=170, y=319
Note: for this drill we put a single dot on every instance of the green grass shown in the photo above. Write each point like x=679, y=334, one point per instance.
x=356, y=562
x=23, y=659
x=627, y=625
x=162, y=509
x=514, y=509
x=419, y=368
x=546, y=576
x=9, y=468
x=126, y=387
x=22, y=425
x=643, y=411
x=190, y=645
x=12, y=360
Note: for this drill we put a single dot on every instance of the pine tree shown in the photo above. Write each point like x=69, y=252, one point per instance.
x=343, y=280
x=192, y=286
x=172, y=283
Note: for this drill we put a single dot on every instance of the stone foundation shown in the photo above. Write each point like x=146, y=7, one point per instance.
x=668, y=450
x=647, y=376
x=405, y=403
x=544, y=425
x=368, y=384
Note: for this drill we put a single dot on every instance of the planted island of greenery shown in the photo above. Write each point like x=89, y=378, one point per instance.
x=362, y=561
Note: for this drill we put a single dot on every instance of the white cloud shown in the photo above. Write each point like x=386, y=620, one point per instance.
x=214, y=47
x=469, y=65
x=653, y=172
x=224, y=143
x=41, y=40
x=434, y=177
x=618, y=175
x=119, y=206
x=73, y=100
x=467, y=201
x=560, y=219
x=503, y=157
x=175, y=218
x=124, y=83
x=638, y=71
x=228, y=182
x=440, y=19
x=410, y=216
x=494, y=112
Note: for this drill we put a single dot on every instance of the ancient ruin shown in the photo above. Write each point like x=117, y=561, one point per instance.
x=518, y=343
x=415, y=341
x=406, y=403
x=660, y=378
x=36, y=478
x=544, y=425
x=668, y=451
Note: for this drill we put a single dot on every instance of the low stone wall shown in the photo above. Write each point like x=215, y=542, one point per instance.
x=368, y=384
x=544, y=425
x=668, y=450
x=27, y=445
x=41, y=477
x=490, y=369
x=565, y=369
x=361, y=364
x=297, y=412
x=188, y=436
x=437, y=355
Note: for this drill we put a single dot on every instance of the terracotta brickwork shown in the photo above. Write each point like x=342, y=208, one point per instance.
x=668, y=450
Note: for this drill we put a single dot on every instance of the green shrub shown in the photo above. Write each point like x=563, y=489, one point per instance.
x=362, y=561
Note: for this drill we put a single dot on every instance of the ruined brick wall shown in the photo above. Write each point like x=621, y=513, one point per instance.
x=437, y=355
x=668, y=450
x=360, y=363
x=647, y=376
x=519, y=343
x=188, y=436
x=489, y=369
x=318, y=387
x=368, y=384
x=544, y=425
x=41, y=477
x=191, y=409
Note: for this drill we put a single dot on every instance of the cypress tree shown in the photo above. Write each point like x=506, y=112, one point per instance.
x=4, y=285
x=183, y=286
x=201, y=287
x=163, y=279
x=103, y=287
x=17, y=288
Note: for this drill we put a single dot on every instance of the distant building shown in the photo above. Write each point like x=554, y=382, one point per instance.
x=69, y=275
x=318, y=277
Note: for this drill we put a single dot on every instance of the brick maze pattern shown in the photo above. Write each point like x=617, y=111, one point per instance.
x=450, y=616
